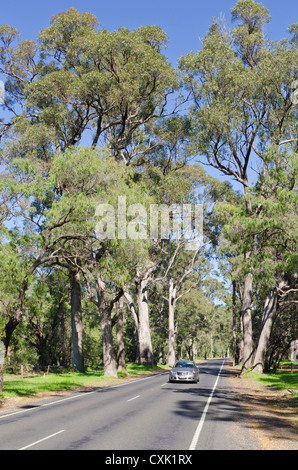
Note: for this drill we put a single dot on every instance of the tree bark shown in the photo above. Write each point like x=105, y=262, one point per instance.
x=241, y=341
x=234, y=322
x=121, y=364
x=171, y=342
x=144, y=333
x=109, y=356
x=247, y=322
x=141, y=316
x=76, y=322
x=133, y=310
x=269, y=312
x=1, y=377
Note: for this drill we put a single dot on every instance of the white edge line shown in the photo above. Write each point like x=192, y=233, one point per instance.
x=41, y=440
x=78, y=396
x=200, y=425
x=45, y=404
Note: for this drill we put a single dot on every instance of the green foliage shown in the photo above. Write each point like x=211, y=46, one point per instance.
x=109, y=90
x=268, y=229
x=241, y=95
x=249, y=34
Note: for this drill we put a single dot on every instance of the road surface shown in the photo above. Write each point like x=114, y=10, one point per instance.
x=147, y=414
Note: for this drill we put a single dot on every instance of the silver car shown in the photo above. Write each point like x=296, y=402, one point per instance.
x=184, y=371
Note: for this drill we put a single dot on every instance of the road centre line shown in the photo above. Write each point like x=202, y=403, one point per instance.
x=41, y=440
x=134, y=398
x=200, y=425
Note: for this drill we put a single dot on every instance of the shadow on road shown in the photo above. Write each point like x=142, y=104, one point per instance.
x=228, y=406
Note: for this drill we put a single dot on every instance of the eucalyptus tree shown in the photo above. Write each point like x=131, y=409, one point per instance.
x=243, y=110
x=91, y=181
x=274, y=233
x=35, y=241
x=80, y=77
x=107, y=243
x=79, y=82
x=111, y=83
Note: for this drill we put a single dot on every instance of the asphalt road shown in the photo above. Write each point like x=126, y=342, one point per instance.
x=147, y=414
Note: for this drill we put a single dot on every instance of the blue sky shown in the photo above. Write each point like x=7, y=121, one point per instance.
x=184, y=22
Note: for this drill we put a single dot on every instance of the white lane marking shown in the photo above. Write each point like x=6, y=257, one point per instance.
x=45, y=404
x=200, y=425
x=133, y=398
x=41, y=440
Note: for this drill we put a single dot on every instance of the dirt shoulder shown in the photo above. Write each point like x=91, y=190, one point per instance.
x=273, y=419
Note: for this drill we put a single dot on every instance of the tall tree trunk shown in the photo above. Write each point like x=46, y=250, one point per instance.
x=211, y=345
x=64, y=355
x=171, y=342
x=247, y=322
x=144, y=333
x=2, y=359
x=133, y=310
x=1, y=378
x=194, y=351
x=141, y=319
x=109, y=359
x=234, y=323
x=206, y=347
x=241, y=347
x=269, y=312
x=109, y=356
x=267, y=320
x=121, y=364
x=76, y=322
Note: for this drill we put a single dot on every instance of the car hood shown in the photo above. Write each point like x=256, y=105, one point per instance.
x=183, y=369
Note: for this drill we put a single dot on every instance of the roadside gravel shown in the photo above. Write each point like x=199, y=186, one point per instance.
x=268, y=412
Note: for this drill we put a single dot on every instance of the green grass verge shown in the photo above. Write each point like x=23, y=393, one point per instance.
x=15, y=386
x=279, y=381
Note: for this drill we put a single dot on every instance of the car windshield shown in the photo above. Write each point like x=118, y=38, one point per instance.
x=184, y=364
